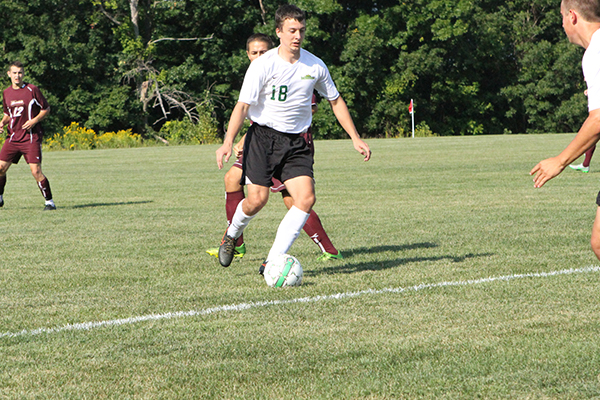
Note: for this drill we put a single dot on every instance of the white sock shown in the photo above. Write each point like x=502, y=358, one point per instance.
x=49, y=202
x=289, y=229
x=239, y=222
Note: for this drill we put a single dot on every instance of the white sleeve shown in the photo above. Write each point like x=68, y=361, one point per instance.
x=325, y=85
x=252, y=86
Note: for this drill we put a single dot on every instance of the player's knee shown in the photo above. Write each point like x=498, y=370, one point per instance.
x=287, y=200
x=37, y=174
x=306, y=203
x=595, y=243
x=232, y=180
x=253, y=204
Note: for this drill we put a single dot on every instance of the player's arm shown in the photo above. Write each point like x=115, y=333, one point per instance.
x=5, y=120
x=588, y=135
x=37, y=119
x=345, y=119
x=236, y=122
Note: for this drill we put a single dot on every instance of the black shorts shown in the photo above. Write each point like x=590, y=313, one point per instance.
x=598, y=199
x=272, y=154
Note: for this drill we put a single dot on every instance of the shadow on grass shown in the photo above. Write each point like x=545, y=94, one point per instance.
x=380, y=249
x=122, y=203
x=387, y=264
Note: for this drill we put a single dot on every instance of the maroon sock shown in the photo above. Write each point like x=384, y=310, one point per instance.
x=588, y=156
x=45, y=189
x=2, y=184
x=315, y=230
x=232, y=199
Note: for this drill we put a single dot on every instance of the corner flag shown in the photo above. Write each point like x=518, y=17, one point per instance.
x=412, y=114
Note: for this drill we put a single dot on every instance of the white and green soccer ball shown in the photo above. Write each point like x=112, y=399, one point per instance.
x=283, y=270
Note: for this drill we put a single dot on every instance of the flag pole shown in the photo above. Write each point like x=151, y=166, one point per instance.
x=412, y=114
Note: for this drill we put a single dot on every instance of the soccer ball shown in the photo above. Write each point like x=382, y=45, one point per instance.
x=283, y=270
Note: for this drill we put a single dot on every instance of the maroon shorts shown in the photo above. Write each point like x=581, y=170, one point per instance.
x=32, y=152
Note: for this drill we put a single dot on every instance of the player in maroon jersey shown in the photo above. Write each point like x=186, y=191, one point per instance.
x=24, y=107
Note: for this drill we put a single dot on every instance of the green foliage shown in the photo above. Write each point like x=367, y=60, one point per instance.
x=472, y=66
x=204, y=131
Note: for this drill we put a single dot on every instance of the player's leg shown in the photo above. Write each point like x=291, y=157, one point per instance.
x=588, y=156
x=4, y=165
x=234, y=193
x=302, y=191
x=43, y=184
x=315, y=230
x=246, y=210
x=585, y=166
x=595, y=240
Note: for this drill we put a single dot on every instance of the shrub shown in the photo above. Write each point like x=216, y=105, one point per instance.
x=75, y=137
x=120, y=139
x=187, y=132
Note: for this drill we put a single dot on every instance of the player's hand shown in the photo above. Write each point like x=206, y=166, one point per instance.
x=223, y=151
x=363, y=149
x=29, y=124
x=546, y=170
x=238, y=149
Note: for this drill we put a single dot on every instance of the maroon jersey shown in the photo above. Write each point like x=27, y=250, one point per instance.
x=21, y=105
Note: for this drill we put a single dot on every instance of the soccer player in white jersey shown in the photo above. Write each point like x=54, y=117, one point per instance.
x=276, y=95
x=581, y=22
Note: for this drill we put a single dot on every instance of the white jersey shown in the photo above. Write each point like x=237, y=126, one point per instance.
x=591, y=71
x=280, y=93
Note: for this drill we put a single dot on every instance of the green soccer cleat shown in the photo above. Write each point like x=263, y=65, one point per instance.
x=240, y=251
x=328, y=256
x=580, y=167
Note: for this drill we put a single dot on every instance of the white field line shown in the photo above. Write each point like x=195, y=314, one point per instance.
x=84, y=326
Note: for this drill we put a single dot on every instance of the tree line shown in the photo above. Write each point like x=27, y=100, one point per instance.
x=471, y=66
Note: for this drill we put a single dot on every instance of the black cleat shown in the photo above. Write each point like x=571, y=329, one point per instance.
x=1, y=202
x=261, y=269
x=49, y=207
x=226, y=250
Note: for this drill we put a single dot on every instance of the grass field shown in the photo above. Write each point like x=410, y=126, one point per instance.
x=113, y=296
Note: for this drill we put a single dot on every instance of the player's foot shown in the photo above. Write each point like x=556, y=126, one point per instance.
x=1, y=201
x=226, y=250
x=49, y=207
x=328, y=256
x=240, y=251
x=580, y=167
x=261, y=269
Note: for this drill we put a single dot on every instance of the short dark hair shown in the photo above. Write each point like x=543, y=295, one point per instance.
x=588, y=9
x=288, y=11
x=17, y=64
x=259, y=37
